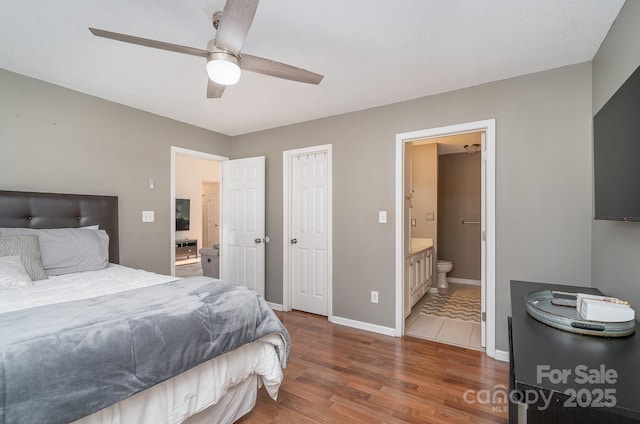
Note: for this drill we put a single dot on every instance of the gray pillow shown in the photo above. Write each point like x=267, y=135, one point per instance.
x=66, y=250
x=28, y=248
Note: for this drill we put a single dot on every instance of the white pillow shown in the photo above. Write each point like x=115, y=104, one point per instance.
x=27, y=246
x=66, y=250
x=12, y=273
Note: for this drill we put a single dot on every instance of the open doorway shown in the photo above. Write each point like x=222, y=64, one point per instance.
x=445, y=300
x=242, y=217
x=487, y=223
x=195, y=211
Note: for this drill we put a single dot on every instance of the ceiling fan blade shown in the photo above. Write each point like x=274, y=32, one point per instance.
x=277, y=69
x=149, y=43
x=236, y=20
x=214, y=91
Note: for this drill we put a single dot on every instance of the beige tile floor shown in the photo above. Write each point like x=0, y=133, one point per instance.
x=446, y=330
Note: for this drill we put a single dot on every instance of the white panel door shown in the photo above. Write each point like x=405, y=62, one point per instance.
x=243, y=226
x=211, y=214
x=309, y=233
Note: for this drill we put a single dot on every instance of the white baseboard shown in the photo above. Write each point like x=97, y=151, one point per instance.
x=387, y=331
x=463, y=281
x=275, y=306
x=502, y=355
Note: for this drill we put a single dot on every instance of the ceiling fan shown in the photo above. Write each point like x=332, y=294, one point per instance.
x=224, y=59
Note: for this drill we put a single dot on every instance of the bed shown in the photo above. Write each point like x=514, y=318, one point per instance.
x=96, y=342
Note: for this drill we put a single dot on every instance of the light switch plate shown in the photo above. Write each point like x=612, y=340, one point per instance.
x=382, y=217
x=148, y=216
x=374, y=297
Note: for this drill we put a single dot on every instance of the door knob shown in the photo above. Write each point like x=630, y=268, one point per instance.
x=258, y=240
x=294, y=241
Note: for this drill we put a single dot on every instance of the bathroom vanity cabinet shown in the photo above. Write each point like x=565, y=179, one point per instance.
x=421, y=274
x=418, y=272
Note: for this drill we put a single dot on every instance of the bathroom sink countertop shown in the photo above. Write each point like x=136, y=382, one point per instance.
x=418, y=244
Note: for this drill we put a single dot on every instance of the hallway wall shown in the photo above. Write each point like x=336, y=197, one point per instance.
x=191, y=172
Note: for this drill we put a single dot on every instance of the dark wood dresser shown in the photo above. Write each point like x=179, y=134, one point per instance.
x=559, y=376
x=186, y=248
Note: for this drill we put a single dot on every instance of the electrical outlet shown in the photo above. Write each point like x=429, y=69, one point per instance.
x=431, y=216
x=148, y=216
x=374, y=297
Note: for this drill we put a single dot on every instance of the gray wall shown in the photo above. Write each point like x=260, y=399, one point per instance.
x=57, y=140
x=54, y=139
x=460, y=199
x=616, y=245
x=543, y=193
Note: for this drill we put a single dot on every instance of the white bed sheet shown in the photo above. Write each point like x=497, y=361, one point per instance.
x=78, y=285
x=180, y=397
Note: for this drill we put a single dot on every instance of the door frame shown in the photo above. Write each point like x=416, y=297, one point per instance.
x=287, y=156
x=172, y=197
x=489, y=227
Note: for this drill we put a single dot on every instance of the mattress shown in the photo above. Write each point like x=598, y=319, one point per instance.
x=182, y=396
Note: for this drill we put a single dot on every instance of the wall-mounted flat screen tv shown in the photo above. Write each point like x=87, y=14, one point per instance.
x=182, y=214
x=616, y=154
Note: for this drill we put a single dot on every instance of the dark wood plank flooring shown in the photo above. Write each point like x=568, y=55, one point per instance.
x=337, y=374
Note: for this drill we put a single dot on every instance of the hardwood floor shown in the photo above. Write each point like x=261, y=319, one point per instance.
x=342, y=375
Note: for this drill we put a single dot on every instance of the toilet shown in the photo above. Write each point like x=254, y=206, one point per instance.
x=443, y=267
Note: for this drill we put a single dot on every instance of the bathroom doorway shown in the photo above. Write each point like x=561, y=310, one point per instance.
x=486, y=224
x=445, y=213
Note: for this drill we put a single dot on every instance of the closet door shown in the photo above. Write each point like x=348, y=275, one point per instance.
x=309, y=233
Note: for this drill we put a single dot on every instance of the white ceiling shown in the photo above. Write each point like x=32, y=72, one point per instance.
x=372, y=52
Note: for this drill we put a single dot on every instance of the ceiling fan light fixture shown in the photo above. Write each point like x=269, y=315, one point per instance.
x=223, y=68
x=224, y=52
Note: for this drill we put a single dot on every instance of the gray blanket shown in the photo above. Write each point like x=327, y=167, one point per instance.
x=61, y=362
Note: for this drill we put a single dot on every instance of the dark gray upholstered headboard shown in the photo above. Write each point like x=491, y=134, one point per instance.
x=20, y=209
